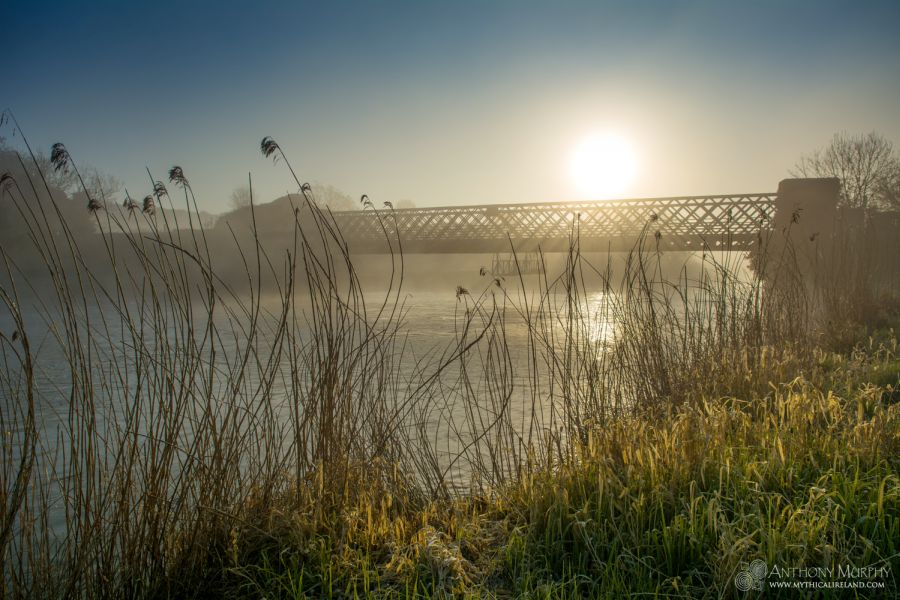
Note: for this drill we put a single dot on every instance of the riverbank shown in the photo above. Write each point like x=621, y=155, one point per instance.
x=805, y=477
x=642, y=429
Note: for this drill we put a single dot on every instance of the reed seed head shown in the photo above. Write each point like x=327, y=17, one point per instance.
x=176, y=176
x=159, y=190
x=268, y=147
x=59, y=157
x=149, y=205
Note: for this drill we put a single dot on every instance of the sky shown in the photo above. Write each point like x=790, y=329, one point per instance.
x=449, y=103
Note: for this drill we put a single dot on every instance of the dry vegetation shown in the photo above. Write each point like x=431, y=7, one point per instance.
x=213, y=446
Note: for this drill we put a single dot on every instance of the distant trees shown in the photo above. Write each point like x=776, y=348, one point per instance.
x=240, y=197
x=866, y=164
x=328, y=196
x=98, y=185
x=62, y=187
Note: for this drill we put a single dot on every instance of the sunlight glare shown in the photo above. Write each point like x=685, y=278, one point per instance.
x=603, y=166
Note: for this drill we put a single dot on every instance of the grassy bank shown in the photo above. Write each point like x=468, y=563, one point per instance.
x=273, y=436
x=805, y=476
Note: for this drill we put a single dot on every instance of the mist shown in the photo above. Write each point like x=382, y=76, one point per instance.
x=502, y=299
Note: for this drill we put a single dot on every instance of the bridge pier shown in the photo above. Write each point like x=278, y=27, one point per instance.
x=798, y=250
x=806, y=210
x=845, y=259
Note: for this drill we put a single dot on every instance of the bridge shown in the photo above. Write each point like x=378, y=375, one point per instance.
x=727, y=222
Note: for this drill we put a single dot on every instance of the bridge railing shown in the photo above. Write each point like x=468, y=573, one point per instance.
x=685, y=221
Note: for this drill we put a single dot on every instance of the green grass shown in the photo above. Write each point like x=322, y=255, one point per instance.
x=664, y=507
x=713, y=429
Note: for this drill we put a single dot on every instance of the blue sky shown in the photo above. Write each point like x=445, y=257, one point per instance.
x=449, y=102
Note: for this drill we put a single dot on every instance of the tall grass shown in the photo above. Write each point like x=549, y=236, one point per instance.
x=210, y=439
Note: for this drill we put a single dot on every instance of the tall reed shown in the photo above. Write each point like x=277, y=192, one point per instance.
x=195, y=413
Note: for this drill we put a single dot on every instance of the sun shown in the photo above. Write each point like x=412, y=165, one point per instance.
x=603, y=165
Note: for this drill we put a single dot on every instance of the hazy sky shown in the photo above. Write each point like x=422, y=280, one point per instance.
x=449, y=102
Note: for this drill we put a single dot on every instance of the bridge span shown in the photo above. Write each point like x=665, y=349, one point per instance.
x=727, y=222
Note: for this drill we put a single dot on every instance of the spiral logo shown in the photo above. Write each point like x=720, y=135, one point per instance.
x=751, y=576
x=759, y=569
x=743, y=581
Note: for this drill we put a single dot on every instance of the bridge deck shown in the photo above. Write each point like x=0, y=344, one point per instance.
x=683, y=223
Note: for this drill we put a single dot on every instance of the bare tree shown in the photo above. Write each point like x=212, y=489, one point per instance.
x=61, y=179
x=867, y=166
x=240, y=197
x=333, y=198
x=64, y=189
x=889, y=187
x=326, y=196
x=102, y=186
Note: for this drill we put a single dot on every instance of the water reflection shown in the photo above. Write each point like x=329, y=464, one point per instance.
x=510, y=372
